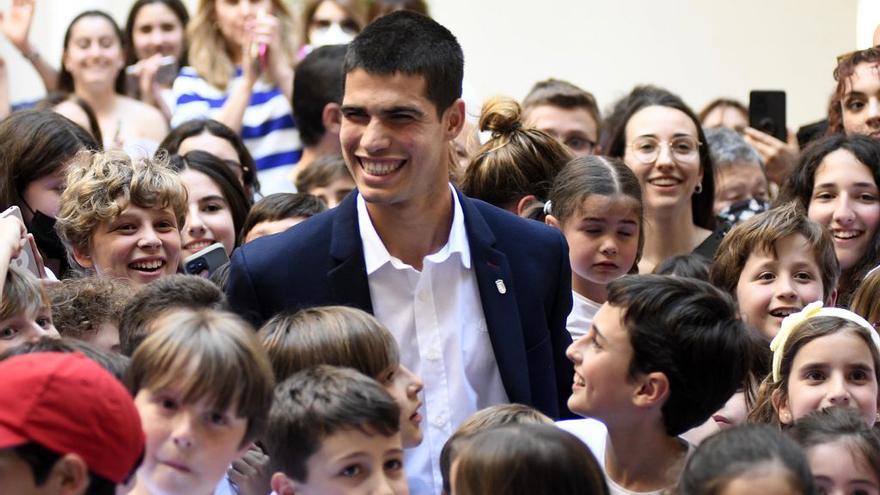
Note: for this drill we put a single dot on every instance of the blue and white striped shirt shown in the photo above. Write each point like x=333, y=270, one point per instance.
x=268, y=129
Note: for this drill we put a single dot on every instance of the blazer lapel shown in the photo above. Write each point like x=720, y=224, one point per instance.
x=498, y=298
x=348, y=276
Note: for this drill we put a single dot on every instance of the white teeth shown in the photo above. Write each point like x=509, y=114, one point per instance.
x=783, y=312
x=380, y=168
x=147, y=265
x=578, y=380
x=198, y=246
x=846, y=234
x=664, y=181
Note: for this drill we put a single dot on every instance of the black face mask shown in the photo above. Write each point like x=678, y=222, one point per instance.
x=42, y=226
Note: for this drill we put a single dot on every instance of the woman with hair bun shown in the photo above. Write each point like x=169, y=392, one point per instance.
x=515, y=169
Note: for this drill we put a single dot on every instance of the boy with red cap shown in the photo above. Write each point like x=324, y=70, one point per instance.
x=67, y=426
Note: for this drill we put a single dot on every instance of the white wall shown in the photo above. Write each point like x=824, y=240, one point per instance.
x=698, y=48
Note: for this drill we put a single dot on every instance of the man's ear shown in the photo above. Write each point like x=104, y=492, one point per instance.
x=84, y=259
x=282, y=485
x=781, y=408
x=453, y=119
x=69, y=475
x=331, y=117
x=652, y=389
x=524, y=203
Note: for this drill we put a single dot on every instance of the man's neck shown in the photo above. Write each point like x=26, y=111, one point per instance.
x=416, y=229
x=643, y=458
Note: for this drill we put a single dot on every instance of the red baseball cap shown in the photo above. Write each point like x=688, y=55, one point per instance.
x=69, y=404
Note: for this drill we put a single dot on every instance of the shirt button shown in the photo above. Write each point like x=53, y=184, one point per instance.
x=440, y=421
x=433, y=355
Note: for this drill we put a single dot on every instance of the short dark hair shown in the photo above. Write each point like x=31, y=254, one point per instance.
x=113, y=362
x=318, y=81
x=179, y=10
x=65, y=78
x=321, y=172
x=41, y=461
x=838, y=423
x=172, y=291
x=613, y=142
x=222, y=176
x=317, y=402
x=799, y=187
x=736, y=451
x=412, y=44
x=684, y=265
x=279, y=206
x=687, y=330
x=196, y=127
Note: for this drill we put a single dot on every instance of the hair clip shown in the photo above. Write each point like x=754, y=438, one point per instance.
x=777, y=345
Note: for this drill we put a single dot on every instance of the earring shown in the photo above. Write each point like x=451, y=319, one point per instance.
x=698, y=189
x=785, y=417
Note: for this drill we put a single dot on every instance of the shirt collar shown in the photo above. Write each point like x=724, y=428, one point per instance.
x=376, y=254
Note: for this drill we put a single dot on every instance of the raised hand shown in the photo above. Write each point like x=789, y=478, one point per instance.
x=16, y=23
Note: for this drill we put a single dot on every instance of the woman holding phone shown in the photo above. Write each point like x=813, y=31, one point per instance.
x=155, y=34
x=241, y=74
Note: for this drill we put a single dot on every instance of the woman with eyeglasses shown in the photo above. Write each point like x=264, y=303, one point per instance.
x=661, y=140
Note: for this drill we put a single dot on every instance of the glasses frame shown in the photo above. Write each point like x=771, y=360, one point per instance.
x=660, y=146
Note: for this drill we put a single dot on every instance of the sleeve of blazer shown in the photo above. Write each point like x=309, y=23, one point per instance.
x=240, y=291
x=559, y=335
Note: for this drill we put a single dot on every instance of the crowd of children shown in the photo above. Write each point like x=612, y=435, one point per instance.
x=651, y=302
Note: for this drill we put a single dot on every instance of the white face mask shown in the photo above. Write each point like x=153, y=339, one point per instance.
x=333, y=34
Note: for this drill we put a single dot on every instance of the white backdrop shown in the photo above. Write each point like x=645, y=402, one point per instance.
x=698, y=48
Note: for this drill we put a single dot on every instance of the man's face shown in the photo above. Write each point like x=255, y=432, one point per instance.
x=575, y=127
x=394, y=143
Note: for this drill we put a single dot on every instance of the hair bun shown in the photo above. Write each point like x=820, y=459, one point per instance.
x=501, y=115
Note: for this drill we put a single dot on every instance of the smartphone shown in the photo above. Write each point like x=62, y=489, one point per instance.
x=767, y=113
x=165, y=74
x=29, y=259
x=206, y=261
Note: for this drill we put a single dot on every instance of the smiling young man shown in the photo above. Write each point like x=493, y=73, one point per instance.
x=476, y=298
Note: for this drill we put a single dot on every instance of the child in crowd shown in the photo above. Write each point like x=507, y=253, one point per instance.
x=66, y=426
x=747, y=459
x=566, y=112
x=843, y=452
x=349, y=337
x=514, y=169
x=327, y=178
x=774, y=264
x=174, y=291
x=25, y=313
x=597, y=204
x=865, y=301
x=203, y=387
x=334, y=431
x=278, y=212
x=684, y=265
x=648, y=369
x=490, y=417
x=111, y=361
x=821, y=357
x=122, y=219
x=89, y=309
x=526, y=459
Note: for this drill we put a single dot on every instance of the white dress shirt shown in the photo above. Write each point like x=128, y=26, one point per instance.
x=437, y=319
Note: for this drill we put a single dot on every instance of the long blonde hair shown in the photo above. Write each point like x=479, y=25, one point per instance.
x=209, y=50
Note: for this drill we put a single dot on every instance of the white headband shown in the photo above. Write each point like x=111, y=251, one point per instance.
x=777, y=345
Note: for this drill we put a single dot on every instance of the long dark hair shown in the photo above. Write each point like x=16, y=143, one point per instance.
x=799, y=187
x=180, y=12
x=65, y=78
x=613, y=142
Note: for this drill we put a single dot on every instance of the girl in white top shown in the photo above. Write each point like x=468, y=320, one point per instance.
x=597, y=204
x=92, y=67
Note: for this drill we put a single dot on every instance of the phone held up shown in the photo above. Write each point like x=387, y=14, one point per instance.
x=206, y=261
x=29, y=259
x=767, y=113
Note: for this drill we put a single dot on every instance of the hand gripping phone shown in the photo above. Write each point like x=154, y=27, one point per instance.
x=206, y=261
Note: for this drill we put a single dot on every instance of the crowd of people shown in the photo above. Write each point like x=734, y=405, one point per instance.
x=241, y=254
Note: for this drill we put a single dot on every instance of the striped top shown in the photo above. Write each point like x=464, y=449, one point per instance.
x=268, y=129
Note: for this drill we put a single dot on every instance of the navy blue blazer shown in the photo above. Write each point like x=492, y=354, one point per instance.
x=321, y=262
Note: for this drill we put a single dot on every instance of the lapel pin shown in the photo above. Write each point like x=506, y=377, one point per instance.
x=502, y=289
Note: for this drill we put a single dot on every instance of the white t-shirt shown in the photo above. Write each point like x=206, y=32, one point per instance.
x=581, y=317
x=594, y=434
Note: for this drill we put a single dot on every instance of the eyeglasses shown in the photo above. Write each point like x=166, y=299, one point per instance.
x=646, y=149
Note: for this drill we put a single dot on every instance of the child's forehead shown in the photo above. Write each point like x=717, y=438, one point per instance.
x=602, y=204
x=784, y=248
x=358, y=440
